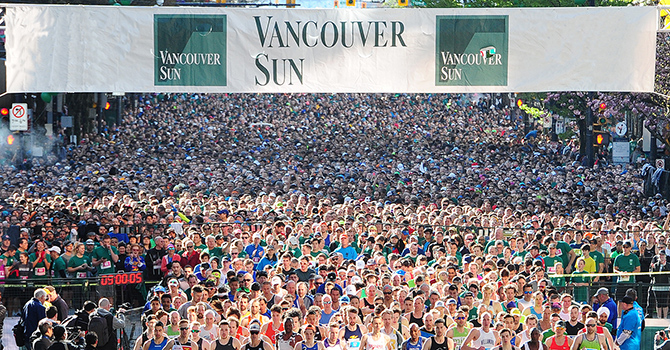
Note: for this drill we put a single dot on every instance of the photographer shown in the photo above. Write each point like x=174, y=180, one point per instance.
x=661, y=340
x=105, y=325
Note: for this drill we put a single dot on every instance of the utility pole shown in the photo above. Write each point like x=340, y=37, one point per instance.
x=589, y=134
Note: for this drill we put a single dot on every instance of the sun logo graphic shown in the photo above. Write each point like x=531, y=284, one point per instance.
x=487, y=52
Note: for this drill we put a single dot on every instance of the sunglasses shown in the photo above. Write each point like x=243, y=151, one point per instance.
x=183, y=329
x=460, y=318
x=195, y=331
x=590, y=325
x=253, y=332
x=327, y=302
x=248, y=280
x=527, y=292
x=388, y=293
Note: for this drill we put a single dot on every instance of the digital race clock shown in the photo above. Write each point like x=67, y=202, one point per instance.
x=118, y=279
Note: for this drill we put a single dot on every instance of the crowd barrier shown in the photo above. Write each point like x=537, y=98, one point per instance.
x=75, y=291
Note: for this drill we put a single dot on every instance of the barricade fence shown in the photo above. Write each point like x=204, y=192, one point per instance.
x=253, y=226
x=15, y=293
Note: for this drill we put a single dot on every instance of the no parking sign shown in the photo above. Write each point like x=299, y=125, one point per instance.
x=18, y=117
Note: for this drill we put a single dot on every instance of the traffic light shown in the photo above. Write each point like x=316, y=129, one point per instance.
x=602, y=138
x=107, y=105
x=403, y=3
x=351, y=3
x=602, y=107
x=519, y=103
x=10, y=139
x=4, y=111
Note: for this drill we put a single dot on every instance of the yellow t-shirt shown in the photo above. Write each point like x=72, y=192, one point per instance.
x=590, y=266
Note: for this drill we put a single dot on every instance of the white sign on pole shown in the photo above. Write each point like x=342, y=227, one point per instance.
x=620, y=152
x=18, y=117
x=560, y=125
x=547, y=121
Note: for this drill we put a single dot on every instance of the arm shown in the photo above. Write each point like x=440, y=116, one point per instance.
x=115, y=257
x=576, y=344
x=572, y=256
x=364, y=341
x=47, y=261
x=118, y=324
x=474, y=334
x=297, y=346
x=427, y=344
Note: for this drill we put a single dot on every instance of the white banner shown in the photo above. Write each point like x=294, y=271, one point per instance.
x=134, y=49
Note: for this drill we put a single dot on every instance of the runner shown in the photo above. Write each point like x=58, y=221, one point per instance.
x=439, y=341
x=483, y=337
x=225, y=341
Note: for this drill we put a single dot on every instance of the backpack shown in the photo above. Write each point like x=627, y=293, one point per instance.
x=18, y=332
x=101, y=326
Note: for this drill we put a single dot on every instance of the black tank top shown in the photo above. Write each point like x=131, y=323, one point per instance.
x=227, y=346
x=434, y=345
x=258, y=347
x=418, y=321
x=317, y=335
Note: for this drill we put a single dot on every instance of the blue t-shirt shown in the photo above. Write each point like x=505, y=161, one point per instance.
x=349, y=253
x=255, y=253
x=630, y=321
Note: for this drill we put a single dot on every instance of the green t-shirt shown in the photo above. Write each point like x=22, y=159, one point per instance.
x=76, y=261
x=626, y=264
x=581, y=293
x=9, y=260
x=493, y=243
x=521, y=254
x=58, y=266
x=546, y=334
x=40, y=270
x=106, y=267
x=550, y=263
x=215, y=252
x=563, y=251
x=598, y=257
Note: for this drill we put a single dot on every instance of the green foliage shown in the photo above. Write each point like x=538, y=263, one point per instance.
x=533, y=112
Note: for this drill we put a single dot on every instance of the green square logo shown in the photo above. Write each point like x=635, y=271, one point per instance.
x=190, y=50
x=471, y=51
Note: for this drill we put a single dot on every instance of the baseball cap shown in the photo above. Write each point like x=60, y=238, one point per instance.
x=451, y=302
x=90, y=241
x=159, y=289
x=439, y=303
x=54, y=249
x=603, y=291
x=6, y=237
x=627, y=300
x=255, y=327
x=256, y=235
x=173, y=282
x=345, y=299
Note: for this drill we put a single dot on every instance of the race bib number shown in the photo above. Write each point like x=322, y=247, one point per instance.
x=40, y=271
x=559, y=252
x=81, y=274
x=354, y=344
x=552, y=270
x=624, y=278
x=2, y=273
x=107, y=265
x=256, y=260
